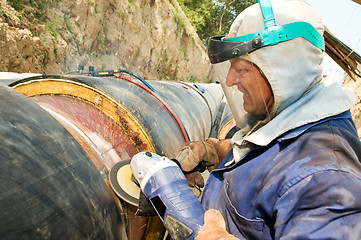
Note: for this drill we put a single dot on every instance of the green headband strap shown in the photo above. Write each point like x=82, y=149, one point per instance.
x=267, y=12
x=273, y=33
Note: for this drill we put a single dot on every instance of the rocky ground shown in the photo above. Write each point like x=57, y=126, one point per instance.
x=148, y=37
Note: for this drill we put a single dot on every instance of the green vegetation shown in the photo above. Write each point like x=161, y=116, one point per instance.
x=67, y=23
x=5, y=14
x=164, y=29
x=17, y=4
x=131, y=3
x=20, y=15
x=52, y=27
x=165, y=55
x=167, y=68
x=183, y=48
x=180, y=24
x=193, y=79
x=96, y=8
x=213, y=17
x=39, y=7
x=38, y=11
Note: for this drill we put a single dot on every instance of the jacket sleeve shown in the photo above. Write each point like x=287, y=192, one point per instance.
x=320, y=205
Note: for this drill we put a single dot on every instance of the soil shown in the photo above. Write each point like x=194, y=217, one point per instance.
x=148, y=37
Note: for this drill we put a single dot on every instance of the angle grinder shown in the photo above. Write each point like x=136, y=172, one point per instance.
x=123, y=182
x=163, y=187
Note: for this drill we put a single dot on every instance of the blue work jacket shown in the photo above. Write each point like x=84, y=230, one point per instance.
x=306, y=184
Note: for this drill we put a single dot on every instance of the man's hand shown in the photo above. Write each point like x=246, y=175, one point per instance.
x=214, y=227
x=212, y=151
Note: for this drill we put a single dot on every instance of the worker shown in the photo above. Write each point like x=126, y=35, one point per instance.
x=293, y=169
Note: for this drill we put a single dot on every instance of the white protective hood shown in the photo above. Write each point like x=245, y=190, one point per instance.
x=294, y=70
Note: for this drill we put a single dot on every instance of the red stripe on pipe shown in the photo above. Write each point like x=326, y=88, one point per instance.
x=164, y=104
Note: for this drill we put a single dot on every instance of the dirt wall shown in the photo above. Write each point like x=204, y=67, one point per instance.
x=148, y=37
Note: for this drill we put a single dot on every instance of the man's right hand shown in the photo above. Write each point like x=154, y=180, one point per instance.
x=214, y=227
x=212, y=151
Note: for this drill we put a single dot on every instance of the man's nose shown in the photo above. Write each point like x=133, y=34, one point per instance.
x=232, y=78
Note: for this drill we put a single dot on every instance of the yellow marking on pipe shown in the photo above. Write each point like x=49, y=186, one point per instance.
x=101, y=100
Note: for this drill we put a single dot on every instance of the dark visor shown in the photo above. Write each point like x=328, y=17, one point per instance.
x=219, y=50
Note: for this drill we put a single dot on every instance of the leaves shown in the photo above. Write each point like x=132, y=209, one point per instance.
x=213, y=17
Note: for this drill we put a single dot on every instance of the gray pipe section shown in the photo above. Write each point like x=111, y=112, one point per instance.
x=195, y=109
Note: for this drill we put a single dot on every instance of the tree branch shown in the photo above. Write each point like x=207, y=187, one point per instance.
x=223, y=13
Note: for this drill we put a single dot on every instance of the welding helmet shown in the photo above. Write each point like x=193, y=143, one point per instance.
x=223, y=48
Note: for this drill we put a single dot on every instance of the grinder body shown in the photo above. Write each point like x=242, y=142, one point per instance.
x=165, y=186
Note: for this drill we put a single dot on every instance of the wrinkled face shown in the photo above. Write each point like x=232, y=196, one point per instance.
x=257, y=93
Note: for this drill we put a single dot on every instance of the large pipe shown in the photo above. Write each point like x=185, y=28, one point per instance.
x=140, y=118
x=112, y=119
x=50, y=189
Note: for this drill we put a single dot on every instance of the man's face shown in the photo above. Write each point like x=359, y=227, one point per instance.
x=257, y=93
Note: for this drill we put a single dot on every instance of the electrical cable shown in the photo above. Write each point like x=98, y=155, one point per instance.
x=138, y=77
x=146, y=86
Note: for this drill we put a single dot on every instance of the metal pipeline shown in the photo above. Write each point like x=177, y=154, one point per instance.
x=50, y=189
x=112, y=119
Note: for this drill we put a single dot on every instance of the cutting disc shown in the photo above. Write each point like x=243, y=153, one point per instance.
x=120, y=177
